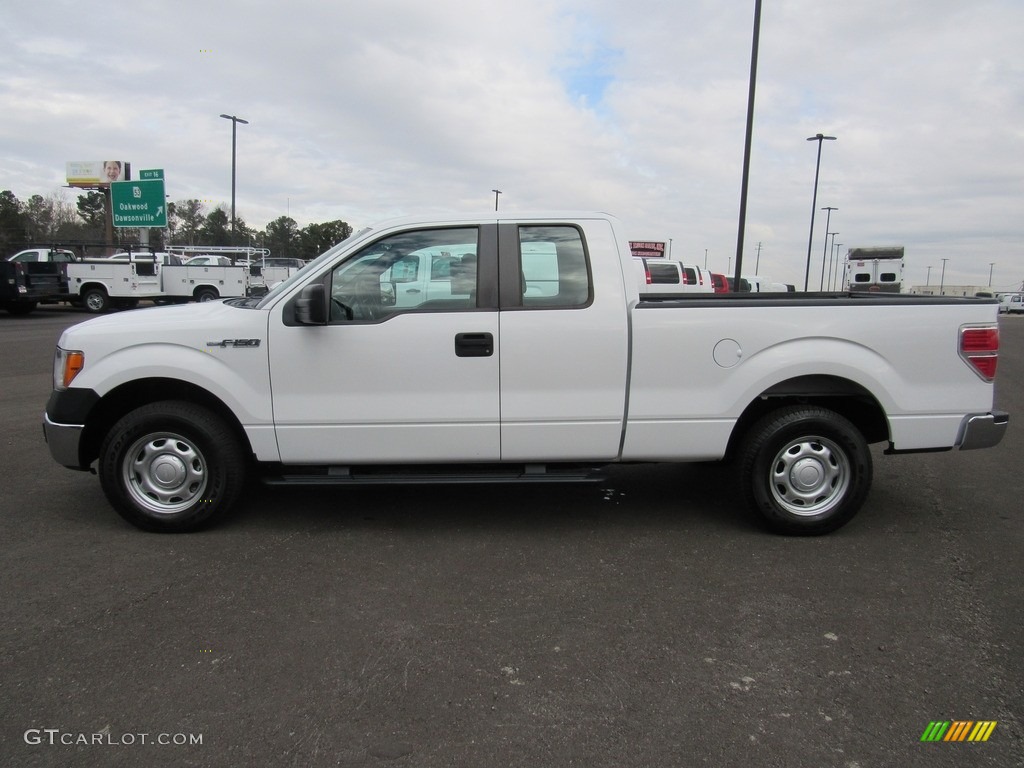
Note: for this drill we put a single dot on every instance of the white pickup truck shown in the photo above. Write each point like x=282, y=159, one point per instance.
x=540, y=362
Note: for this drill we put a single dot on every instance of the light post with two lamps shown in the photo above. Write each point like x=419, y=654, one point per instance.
x=235, y=120
x=818, y=137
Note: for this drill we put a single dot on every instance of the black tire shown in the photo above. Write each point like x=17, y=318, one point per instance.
x=806, y=470
x=20, y=307
x=206, y=294
x=171, y=467
x=95, y=300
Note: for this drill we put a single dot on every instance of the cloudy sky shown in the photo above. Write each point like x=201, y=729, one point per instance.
x=363, y=111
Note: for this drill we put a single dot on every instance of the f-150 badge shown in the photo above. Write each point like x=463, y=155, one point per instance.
x=234, y=343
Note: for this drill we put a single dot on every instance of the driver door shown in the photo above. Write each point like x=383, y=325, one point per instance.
x=395, y=376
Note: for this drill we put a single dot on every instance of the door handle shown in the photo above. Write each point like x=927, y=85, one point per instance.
x=474, y=345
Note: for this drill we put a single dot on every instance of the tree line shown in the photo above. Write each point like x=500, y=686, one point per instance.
x=53, y=220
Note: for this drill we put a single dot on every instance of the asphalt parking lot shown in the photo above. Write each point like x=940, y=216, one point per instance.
x=645, y=621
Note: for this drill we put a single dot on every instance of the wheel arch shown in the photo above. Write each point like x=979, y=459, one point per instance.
x=127, y=397
x=847, y=398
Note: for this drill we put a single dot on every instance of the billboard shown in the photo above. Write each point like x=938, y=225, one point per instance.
x=647, y=249
x=97, y=173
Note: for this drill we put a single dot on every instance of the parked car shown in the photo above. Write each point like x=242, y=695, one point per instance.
x=282, y=261
x=36, y=255
x=667, y=276
x=720, y=283
x=760, y=284
x=209, y=261
x=166, y=259
x=1011, y=302
x=744, y=286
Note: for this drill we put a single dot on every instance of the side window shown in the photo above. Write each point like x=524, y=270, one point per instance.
x=420, y=270
x=27, y=256
x=553, y=267
x=663, y=274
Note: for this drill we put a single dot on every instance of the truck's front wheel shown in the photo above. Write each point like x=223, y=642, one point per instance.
x=171, y=467
x=806, y=470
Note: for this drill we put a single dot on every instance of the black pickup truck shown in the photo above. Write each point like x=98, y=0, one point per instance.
x=33, y=276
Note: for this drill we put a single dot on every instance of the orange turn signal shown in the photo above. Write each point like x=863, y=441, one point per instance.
x=73, y=363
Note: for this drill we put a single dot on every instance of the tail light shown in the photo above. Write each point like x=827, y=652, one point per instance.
x=647, y=273
x=979, y=348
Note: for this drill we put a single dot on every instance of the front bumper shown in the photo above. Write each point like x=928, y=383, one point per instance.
x=982, y=430
x=64, y=420
x=63, y=440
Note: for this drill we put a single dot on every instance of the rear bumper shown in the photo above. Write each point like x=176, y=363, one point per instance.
x=982, y=430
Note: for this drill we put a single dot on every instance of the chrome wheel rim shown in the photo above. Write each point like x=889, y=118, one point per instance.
x=809, y=476
x=95, y=301
x=164, y=473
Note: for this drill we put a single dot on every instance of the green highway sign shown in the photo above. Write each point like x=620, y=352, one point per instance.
x=156, y=173
x=139, y=203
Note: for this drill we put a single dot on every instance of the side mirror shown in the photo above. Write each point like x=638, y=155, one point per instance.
x=311, y=306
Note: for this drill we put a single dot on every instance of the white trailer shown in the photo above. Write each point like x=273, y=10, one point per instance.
x=875, y=269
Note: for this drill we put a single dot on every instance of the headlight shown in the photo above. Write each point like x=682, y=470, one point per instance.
x=66, y=365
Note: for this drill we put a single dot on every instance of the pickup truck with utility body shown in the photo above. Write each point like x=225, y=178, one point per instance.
x=540, y=362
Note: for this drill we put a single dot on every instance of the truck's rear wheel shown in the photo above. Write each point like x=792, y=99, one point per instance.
x=207, y=294
x=95, y=300
x=806, y=470
x=171, y=467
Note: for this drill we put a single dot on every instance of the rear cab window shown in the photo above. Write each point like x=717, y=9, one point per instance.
x=553, y=269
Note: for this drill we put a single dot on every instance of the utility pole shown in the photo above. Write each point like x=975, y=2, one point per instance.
x=749, y=137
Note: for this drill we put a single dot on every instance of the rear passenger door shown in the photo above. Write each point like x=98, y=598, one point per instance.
x=563, y=350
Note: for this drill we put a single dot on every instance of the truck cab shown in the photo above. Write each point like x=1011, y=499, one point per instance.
x=49, y=255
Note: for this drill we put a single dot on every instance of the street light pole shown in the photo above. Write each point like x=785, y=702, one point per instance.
x=991, y=266
x=824, y=246
x=830, y=248
x=745, y=183
x=942, y=278
x=837, y=246
x=928, y=277
x=818, y=137
x=496, y=193
x=234, y=126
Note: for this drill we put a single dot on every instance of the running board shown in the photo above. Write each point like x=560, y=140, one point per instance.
x=434, y=475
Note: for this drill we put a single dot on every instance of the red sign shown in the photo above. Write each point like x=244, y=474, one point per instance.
x=647, y=249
